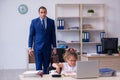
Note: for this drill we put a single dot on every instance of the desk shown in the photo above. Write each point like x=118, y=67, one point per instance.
x=48, y=77
x=105, y=61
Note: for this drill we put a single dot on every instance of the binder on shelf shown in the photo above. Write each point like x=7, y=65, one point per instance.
x=102, y=35
x=85, y=36
x=99, y=49
x=60, y=24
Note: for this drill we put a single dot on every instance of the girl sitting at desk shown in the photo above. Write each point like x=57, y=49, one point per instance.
x=69, y=67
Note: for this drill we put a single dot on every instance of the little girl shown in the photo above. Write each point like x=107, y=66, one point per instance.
x=70, y=56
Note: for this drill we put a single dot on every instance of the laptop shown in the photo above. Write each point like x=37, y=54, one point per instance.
x=87, y=69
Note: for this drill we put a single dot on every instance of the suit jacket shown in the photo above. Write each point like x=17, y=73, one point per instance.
x=42, y=37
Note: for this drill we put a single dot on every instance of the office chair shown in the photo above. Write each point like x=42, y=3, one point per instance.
x=60, y=52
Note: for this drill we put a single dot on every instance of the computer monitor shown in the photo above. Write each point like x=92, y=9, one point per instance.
x=109, y=45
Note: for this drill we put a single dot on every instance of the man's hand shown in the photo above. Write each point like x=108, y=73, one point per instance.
x=30, y=52
x=54, y=51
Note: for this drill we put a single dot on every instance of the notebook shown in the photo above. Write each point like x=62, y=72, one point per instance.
x=87, y=69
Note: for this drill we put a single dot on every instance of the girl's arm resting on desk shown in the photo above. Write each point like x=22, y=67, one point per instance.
x=57, y=66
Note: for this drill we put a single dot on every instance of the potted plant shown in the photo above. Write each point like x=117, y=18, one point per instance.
x=90, y=12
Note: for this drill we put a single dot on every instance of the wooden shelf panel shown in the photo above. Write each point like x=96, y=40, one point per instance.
x=93, y=4
x=68, y=17
x=67, y=5
x=92, y=30
x=91, y=42
x=80, y=43
x=65, y=30
x=93, y=17
x=70, y=43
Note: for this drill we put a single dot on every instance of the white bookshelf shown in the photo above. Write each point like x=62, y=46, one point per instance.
x=75, y=15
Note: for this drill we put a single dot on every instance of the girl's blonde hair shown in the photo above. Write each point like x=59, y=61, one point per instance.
x=70, y=52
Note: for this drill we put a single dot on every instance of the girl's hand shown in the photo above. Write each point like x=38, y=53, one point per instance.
x=58, y=67
x=58, y=70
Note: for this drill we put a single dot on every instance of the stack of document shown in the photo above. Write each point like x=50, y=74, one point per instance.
x=30, y=74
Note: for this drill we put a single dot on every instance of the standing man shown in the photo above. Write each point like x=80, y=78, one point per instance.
x=42, y=35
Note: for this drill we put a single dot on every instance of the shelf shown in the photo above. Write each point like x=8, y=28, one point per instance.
x=68, y=17
x=67, y=30
x=93, y=4
x=84, y=17
x=67, y=5
x=93, y=30
x=93, y=17
x=91, y=42
x=76, y=15
x=70, y=43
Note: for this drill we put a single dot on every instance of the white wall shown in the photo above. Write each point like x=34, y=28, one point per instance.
x=14, y=27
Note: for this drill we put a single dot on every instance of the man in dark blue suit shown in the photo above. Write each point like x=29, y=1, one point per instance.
x=42, y=39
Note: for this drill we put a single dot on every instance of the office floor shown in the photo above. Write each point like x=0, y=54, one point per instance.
x=10, y=74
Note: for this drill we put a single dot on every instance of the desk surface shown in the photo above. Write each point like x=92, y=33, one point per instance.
x=102, y=56
x=48, y=77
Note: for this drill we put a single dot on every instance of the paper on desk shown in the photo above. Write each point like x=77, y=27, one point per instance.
x=30, y=74
x=53, y=72
x=92, y=54
x=69, y=74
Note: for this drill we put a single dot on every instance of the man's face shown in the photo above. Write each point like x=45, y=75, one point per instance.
x=42, y=13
